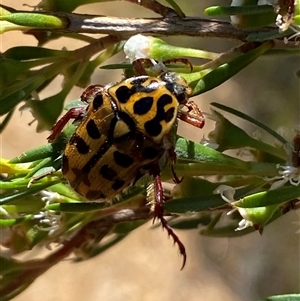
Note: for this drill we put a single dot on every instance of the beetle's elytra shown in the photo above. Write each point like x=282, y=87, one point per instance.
x=122, y=135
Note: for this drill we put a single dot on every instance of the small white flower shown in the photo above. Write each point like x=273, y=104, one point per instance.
x=289, y=172
x=49, y=221
x=227, y=194
x=49, y=197
x=244, y=223
x=137, y=47
x=140, y=47
x=53, y=222
x=286, y=174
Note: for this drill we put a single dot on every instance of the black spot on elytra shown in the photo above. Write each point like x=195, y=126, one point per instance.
x=95, y=195
x=170, y=114
x=98, y=101
x=150, y=153
x=91, y=163
x=118, y=184
x=85, y=180
x=108, y=173
x=123, y=94
x=164, y=100
x=65, y=164
x=143, y=105
x=92, y=129
x=79, y=143
x=122, y=159
x=153, y=126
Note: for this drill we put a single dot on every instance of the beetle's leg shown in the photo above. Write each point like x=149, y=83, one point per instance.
x=87, y=96
x=193, y=116
x=173, y=157
x=180, y=60
x=159, y=213
x=60, y=124
x=139, y=66
x=89, y=93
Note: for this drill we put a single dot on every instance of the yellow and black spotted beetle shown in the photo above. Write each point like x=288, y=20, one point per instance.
x=121, y=136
